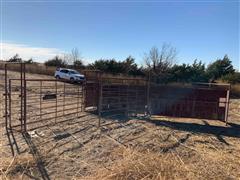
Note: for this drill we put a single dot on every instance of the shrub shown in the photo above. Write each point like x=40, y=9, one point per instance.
x=232, y=78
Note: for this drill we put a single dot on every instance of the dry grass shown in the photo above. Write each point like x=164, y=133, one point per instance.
x=133, y=164
x=31, y=68
x=183, y=164
x=17, y=167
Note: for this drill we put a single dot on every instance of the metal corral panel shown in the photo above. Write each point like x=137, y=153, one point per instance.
x=193, y=101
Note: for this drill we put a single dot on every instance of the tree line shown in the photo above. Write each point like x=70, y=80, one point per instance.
x=160, y=64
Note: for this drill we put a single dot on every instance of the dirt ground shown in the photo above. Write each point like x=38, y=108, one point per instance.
x=133, y=148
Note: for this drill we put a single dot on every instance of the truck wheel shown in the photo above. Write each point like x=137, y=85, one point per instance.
x=57, y=77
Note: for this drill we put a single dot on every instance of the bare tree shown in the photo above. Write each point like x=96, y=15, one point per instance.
x=67, y=58
x=76, y=59
x=73, y=59
x=160, y=60
x=152, y=58
x=75, y=56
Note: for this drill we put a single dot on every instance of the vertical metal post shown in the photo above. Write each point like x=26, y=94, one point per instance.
x=21, y=95
x=10, y=103
x=25, y=98
x=56, y=102
x=6, y=99
x=78, y=94
x=83, y=97
x=64, y=92
x=40, y=100
x=148, y=94
x=227, y=107
x=100, y=103
x=136, y=101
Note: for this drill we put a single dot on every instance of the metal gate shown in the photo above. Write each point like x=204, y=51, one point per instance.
x=30, y=102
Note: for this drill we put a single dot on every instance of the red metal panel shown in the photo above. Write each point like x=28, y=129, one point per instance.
x=196, y=102
x=92, y=94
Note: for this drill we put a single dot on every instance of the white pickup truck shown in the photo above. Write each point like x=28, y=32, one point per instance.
x=70, y=75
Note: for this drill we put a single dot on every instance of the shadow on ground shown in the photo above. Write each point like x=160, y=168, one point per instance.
x=37, y=156
x=232, y=130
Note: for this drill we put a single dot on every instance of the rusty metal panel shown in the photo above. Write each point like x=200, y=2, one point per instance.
x=195, y=102
x=178, y=101
x=91, y=94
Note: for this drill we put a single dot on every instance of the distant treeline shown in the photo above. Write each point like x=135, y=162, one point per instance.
x=159, y=65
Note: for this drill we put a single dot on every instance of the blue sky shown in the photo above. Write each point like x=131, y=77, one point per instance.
x=198, y=29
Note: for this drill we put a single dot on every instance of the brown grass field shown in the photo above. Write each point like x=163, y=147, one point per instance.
x=156, y=148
